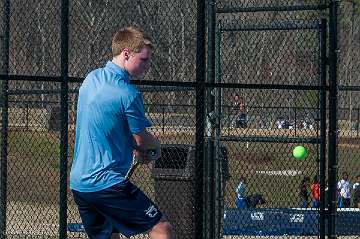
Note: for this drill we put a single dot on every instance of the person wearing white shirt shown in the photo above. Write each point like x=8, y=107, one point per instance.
x=343, y=188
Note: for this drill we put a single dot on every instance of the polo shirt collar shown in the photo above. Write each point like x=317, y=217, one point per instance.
x=117, y=70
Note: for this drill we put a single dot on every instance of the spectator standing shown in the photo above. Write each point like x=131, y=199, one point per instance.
x=240, y=120
x=315, y=192
x=304, y=192
x=343, y=188
x=241, y=194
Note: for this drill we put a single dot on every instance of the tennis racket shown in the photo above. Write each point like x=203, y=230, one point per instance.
x=137, y=161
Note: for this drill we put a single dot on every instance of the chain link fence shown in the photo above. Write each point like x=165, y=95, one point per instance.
x=349, y=94
x=266, y=92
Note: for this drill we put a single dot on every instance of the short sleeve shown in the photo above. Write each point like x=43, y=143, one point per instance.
x=135, y=115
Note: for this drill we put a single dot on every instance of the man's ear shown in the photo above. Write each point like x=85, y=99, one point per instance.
x=126, y=53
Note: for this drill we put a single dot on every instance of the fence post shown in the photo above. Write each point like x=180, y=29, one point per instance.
x=322, y=120
x=333, y=91
x=200, y=116
x=64, y=119
x=4, y=119
x=211, y=149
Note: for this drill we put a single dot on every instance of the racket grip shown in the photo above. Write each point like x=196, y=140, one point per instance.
x=150, y=154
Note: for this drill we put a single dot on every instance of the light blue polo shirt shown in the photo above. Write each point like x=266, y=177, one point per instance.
x=109, y=111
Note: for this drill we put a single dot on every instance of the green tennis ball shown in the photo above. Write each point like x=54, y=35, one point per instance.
x=300, y=152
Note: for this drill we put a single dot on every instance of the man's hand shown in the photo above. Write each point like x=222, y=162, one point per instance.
x=146, y=156
x=145, y=143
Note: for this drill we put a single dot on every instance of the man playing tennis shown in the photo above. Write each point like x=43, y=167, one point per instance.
x=111, y=123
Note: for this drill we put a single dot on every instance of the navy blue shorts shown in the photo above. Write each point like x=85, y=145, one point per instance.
x=122, y=208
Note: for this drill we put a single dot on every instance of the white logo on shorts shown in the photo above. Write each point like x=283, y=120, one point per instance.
x=257, y=216
x=151, y=211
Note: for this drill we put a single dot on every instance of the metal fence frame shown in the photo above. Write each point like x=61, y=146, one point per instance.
x=207, y=224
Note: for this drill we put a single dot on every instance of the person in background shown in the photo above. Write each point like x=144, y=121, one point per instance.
x=241, y=194
x=315, y=192
x=326, y=193
x=304, y=192
x=356, y=190
x=343, y=188
x=239, y=108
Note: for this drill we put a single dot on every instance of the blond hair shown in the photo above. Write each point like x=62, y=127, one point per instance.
x=131, y=38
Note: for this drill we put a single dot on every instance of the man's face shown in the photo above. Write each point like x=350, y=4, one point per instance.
x=139, y=63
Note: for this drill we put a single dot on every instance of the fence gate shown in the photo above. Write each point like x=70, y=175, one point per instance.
x=266, y=94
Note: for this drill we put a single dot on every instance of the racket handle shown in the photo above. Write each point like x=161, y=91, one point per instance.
x=151, y=154
x=132, y=170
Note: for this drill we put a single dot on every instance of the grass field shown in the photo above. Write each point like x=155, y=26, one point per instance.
x=269, y=167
